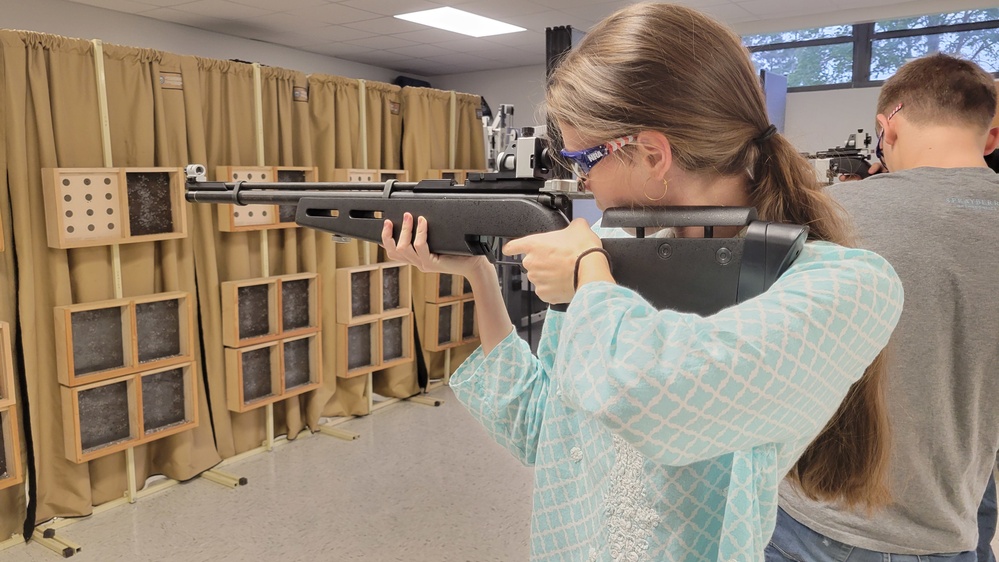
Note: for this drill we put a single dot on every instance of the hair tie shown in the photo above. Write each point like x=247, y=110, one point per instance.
x=579, y=259
x=766, y=134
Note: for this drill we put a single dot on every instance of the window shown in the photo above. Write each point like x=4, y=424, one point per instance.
x=846, y=56
x=954, y=18
x=809, y=66
x=887, y=55
x=799, y=35
x=808, y=57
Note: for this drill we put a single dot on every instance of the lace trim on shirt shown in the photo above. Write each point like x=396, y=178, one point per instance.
x=630, y=516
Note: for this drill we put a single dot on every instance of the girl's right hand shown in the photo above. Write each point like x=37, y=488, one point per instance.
x=414, y=250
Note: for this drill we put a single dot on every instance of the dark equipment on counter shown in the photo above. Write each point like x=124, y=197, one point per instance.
x=850, y=159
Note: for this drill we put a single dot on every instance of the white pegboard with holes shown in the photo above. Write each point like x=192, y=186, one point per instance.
x=240, y=218
x=102, y=206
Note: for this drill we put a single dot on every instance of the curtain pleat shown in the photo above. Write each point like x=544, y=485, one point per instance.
x=13, y=501
x=425, y=145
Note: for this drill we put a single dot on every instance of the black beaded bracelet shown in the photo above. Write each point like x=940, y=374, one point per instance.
x=575, y=272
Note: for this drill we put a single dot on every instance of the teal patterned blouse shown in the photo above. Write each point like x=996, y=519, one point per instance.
x=657, y=435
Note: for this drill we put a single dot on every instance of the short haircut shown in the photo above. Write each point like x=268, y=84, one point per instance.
x=941, y=90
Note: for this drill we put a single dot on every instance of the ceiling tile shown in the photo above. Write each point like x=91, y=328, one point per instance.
x=272, y=5
x=597, y=12
x=340, y=33
x=428, y=35
x=728, y=13
x=336, y=49
x=538, y=49
x=316, y=36
x=294, y=39
x=521, y=39
x=422, y=67
x=273, y=24
x=163, y=3
x=702, y=4
x=382, y=42
x=393, y=7
x=423, y=51
x=551, y=18
x=782, y=8
x=127, y=6
x=379, y=58
x=221, y=9
x=386, y=26
x=570, y=5
x=186, y=18
x=504, y=9
x=335, y=13
x=527, y=59
x=475, y=45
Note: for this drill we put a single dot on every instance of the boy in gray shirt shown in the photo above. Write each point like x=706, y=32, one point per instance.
x=935, y=217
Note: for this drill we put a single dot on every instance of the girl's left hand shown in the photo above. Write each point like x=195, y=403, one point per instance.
x=550, y=259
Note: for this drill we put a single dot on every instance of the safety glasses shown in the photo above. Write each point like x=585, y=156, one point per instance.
x=878, y=151
x=582, y=161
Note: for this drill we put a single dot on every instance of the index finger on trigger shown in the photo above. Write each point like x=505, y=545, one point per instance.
x=515, y=247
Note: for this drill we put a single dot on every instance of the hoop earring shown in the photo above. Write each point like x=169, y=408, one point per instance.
x=661, y=197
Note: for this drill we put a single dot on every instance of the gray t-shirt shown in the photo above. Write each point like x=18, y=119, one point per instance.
x=939, y=228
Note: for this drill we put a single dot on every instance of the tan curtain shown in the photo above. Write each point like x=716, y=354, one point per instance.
x=12, y=500
x=384, y=120
x=425, y=145
x=335, y=121
x=51, y=86
x=218, y=97
x=426, y=131
x=470, y=154
x=288, y=142
x=384, y=133
x=52, y=121
x=336, y=143
x=470, y=150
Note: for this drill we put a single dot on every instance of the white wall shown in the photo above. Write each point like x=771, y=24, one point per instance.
x=820, y=120
x=86, y=22
x=523, y=87
x=814, y=120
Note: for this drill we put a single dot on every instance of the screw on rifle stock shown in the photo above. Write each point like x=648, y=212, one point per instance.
x=723, y=256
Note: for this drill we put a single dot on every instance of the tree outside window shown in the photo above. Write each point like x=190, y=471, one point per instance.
x=824, y=56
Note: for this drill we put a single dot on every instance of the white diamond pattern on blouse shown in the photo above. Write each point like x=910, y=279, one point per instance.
x=672, y=393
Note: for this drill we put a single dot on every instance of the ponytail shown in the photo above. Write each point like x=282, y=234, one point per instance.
x=848, y=461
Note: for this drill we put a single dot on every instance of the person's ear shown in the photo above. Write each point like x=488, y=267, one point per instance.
x=992, y=141
x=888, y=129
x=656, y=152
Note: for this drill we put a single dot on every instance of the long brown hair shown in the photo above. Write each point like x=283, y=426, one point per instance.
x=671, y=69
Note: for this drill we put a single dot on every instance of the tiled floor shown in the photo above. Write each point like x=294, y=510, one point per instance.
x=421, y=484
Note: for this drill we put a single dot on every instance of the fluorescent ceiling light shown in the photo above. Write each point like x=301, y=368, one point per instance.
x=458, y=21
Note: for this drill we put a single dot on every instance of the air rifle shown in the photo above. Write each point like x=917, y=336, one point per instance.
x=699, y=275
